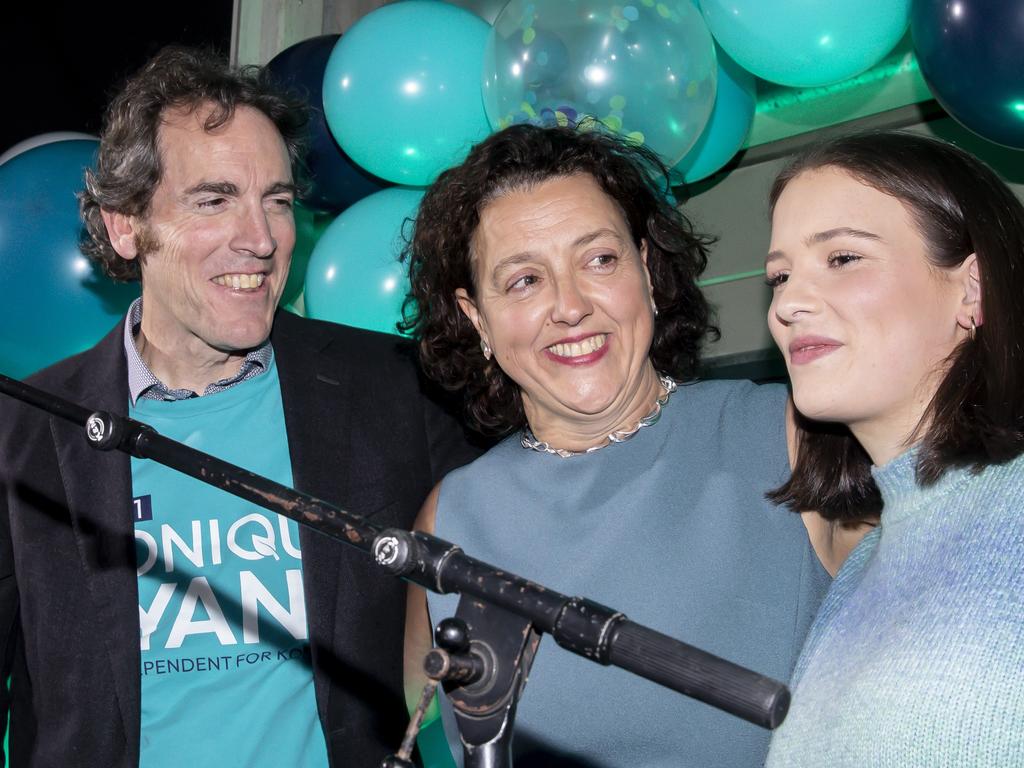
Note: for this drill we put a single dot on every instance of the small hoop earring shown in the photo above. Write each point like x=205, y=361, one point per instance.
x=973, y=330
x=486, y=349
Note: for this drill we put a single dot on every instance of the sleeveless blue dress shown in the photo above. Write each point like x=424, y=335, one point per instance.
x=670, y=527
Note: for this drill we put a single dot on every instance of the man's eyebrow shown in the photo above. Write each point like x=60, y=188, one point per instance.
x=229, y=189
x=830, y=234
x=280, y=187
x=213, y=187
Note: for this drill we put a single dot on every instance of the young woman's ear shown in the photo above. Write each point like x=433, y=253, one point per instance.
x=971, y=313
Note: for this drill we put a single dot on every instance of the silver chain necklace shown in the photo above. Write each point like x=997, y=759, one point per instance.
x=620, y=436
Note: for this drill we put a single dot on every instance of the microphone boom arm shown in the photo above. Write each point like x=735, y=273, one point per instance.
x=601, y=634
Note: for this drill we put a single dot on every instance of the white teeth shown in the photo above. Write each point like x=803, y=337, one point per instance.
x=579, y=348
x=241, y=281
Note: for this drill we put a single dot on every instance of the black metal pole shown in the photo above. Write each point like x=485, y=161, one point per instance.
x=582, y=626
x=587, y=628
x=106, y=431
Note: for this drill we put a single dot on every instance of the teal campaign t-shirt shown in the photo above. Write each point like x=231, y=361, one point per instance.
x=226, y=673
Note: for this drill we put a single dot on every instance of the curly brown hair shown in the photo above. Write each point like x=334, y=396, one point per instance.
x=128, y=167
x=521, y=157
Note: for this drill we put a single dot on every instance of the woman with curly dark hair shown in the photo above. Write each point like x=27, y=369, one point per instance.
x=555, y=287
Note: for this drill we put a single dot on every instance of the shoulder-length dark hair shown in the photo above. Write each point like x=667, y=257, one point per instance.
x=976, y=416
x=521, y=157
x=129, y=167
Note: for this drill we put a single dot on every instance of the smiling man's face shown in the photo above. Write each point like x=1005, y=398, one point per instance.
x=218, y=236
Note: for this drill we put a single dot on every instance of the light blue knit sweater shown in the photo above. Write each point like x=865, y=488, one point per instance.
x=917, y=655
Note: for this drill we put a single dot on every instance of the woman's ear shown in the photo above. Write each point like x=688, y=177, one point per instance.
x=647, y=271
x=971, y=312
x=469, y=309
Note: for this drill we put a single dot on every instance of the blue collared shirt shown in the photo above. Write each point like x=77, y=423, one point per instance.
x=143, y=383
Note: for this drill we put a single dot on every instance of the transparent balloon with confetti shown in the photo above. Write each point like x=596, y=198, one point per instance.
x=645, y=70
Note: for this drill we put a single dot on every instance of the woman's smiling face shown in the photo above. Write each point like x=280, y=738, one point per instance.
x=563, y=298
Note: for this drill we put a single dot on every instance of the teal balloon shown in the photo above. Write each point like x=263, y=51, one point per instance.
x=309, y=227
x=39, y=140
x=807, y=43
x=355, y=276
x=643, y=70
x=56, y=301
x=402, y=90
x=727, y=129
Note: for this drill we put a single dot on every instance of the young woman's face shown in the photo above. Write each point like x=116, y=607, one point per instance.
x=864, y=320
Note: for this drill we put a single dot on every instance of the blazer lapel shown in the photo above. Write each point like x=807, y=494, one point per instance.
x=317, y=417
x=98, y=488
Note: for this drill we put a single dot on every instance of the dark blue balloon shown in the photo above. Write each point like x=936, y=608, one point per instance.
x=971, y=54
x=56, y=301
x=337, y=182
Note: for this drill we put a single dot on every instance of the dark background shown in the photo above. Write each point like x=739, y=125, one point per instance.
x=60, y=62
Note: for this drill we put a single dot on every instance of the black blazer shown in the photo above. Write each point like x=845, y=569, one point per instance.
x=361, y=435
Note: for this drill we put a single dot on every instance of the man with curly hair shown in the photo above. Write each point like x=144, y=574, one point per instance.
x=146, y=618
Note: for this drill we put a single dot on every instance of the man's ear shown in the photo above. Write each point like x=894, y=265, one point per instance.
x=121, y=229
x=971, y=311
x=469, y=309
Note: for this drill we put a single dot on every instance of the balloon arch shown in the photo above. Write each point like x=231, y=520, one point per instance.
x=413, y=85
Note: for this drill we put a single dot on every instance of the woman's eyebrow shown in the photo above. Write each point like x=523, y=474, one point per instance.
x=590, y=237
x=825, y=236
x=831, y=234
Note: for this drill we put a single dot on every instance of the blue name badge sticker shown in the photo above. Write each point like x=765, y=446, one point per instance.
x=142, y=507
